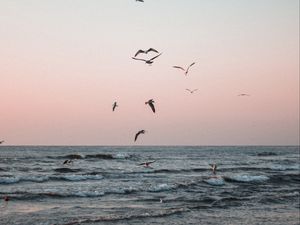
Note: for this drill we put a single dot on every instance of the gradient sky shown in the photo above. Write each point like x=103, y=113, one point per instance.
x=64, y=63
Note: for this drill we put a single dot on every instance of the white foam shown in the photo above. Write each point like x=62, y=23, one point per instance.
x=162, y=187
x=285, y=167
x=249, y=178
x=217, y=181
x=9, y=180
x=82, y=177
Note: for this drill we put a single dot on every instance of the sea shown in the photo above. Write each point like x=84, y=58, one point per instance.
x=107, y=185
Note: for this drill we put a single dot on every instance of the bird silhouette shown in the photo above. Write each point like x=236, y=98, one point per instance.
x=191, y=91
x=147, y=61
x=214, y=168
x=147, y=164
x=145, y=51
x=243, y=94
x=150, y=103
x=114, y=106
x=139, y=0
x=68, y=161
x=1, y=142
x=185, y=70
x=138, y=133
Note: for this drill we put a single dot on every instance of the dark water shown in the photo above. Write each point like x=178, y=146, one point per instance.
x=104, y=185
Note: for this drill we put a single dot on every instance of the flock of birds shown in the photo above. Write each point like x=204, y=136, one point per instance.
x=150, y=61
x=150, y=102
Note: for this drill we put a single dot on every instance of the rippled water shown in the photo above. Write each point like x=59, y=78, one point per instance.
x=105, y=185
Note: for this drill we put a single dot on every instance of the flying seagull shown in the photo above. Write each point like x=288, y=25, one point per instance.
x=214, y=168
x=145, y=51
x=68, y=161
x=150, y=103
x=191, y=91
x=138, y=133
x=243, y=94
x=185, y=70
x=147, y=164
x=147, y=61
x=1, y=142
x=139, y=0
x=114, y=106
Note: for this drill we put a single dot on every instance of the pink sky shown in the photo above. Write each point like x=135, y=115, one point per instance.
x=63, y=64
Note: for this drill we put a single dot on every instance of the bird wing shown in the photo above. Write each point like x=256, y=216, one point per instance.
x=114, y=106
x=139, y=59
x=154, y=57
x=151, y=162
x=195, y=90
x=188, y=90
x=138, y=52
x=187, y=70
x=152, y=106
x=179, y=67
x=151, y=49
x=65, y=162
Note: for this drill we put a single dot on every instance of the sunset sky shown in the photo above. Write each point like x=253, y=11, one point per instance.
x=64, y=63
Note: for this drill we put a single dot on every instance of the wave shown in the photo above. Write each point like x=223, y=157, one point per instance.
x=285, y=167
x=115, y=218
x=40, y=179
x=66, y=170
x=246, y=178
x=216, y=181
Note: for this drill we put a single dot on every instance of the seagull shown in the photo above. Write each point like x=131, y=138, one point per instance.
x=150, y=103
x=114, y=106
x=145, y=51
x=147, y=164
x=243, y=94
x=185, y=70
x=139, y=0
x=191, y=91
x=138, y=133
x=214, y=168
x=160, y=200
x=68, y=161
x=1, y=142
x=147, y=61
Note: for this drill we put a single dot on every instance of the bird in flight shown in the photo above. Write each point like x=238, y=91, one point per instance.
x=147, y=61
x=147, y=164
x=214, y=168
x=150, y=103
x=1, y=142
x=191, y=91
x=185, y=70
x=243, y=94
x=114, y=106
x=138, y=133
x=68, y=161
x=139, y=0
x=145, y=51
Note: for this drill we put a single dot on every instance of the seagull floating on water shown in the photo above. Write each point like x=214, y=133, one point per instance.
x=147, y=61
x=114, y=106
x=138, y=133
x=185, y=70
x=147, y=164
x=150, y=103
x=145, y=51
x=214, y=168
x=191, y=91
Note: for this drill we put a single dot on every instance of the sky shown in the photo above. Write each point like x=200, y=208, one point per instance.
x=64, y=63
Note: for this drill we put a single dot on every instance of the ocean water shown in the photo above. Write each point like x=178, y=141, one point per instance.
x=105, y=185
